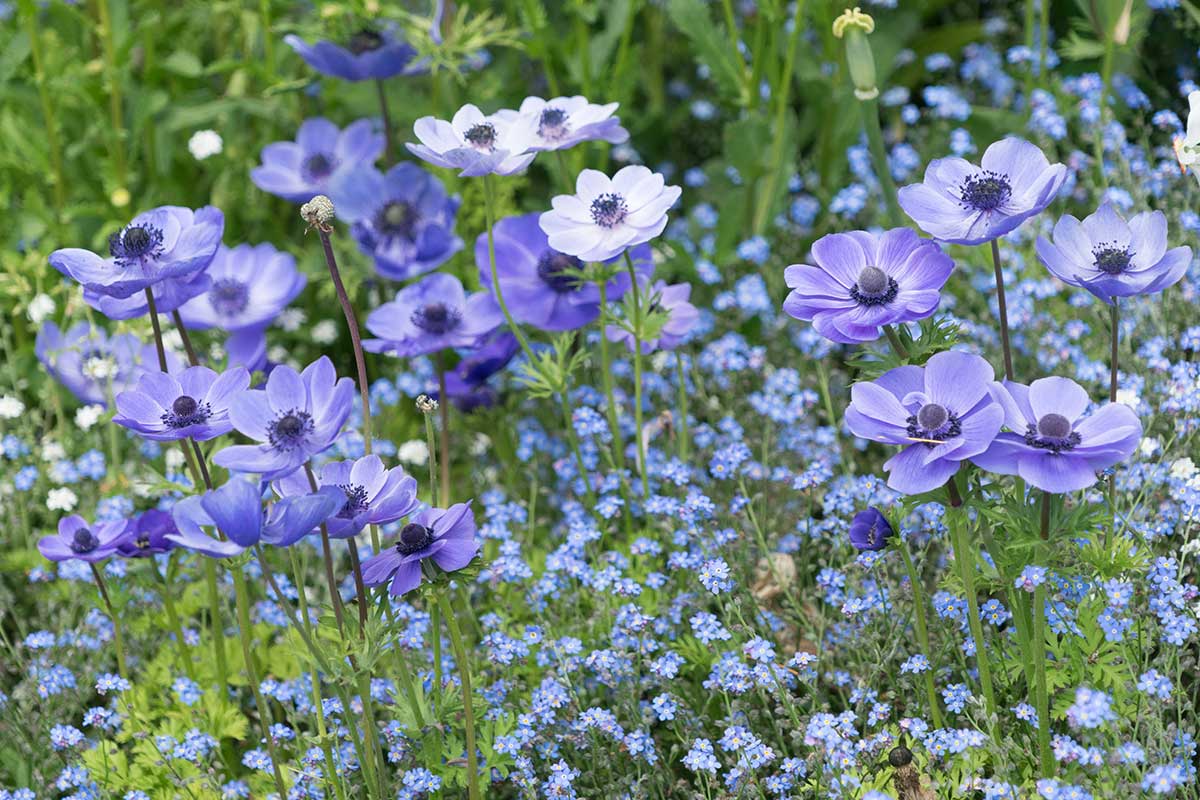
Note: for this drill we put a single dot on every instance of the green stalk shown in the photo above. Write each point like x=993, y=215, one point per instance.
x=1114, y=365
x=894, y=340
x=464, y=674
x=573, y=439
x=922, y=625
x=176, y=627
x=1042, y=696
x=489, y=201
x=29, y=14
x=116, y=115
x=1002, y=302
x=782, y=92
x=636, y=288
x=606, y=378
x=264, y=711
x=964, y=558
x=216, y=625
x=683, y=436
x=870, y=111
x=118, y=634
x=431, y=446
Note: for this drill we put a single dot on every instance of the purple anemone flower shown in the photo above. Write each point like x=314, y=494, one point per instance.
x=681, y=317
x=474, y=143
x=870, y=530
x=169, y=294
x=861, y=281
x=236, y=510
x=93, y=365
x=166, y=242
x=1113, y=258
x=1051, y=443
x=564, y=122
x=467, y=384
x=251, y=284
x=147, y=535
x=605, y=215
x=402, y=218
x=943, y=414
x=192, y=404
x=430, y=315
x=368, y=55
x=541, y=287
x=319, y=158
x=293, y=419
x=961, y=203
x=446, y=535
x=247, y=348
x=372, y=493
x=80, y=541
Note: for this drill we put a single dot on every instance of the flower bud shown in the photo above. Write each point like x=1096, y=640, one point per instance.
x=318, y=212
x=853, y=26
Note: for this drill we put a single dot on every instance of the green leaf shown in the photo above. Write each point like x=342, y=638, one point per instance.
x=711, y=44
x=184, y=63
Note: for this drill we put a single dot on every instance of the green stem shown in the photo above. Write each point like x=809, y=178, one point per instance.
x=1106, y=66
x=682, y=434
x=870, y=111
x=1114, y=365
x=894, y=340
x=1038, y=636
x=573, y=439
x=118, y=634
x=181, y=646
x=922, y=625
x=489, y=202
x=431, y=446
x=264, y=711
x=116, y=115
x=216, y=624
x=1002, y=302
x=464, y=674
x=388, y=147
x=610, y=399
x=29, y=13
x=964, y=558
x=782, y=94
x=636, y=288
x=1043, y=32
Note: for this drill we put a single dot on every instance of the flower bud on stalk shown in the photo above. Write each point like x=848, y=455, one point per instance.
x=853, y=26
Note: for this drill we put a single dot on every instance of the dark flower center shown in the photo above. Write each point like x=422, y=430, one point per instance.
x=365, y=41
x=482, y=136
x=986, y=191
x=318, y=166
x=289, y=430
x=436, y=318
x=609, y=210
x=1052, y=432
x=397, y=218
x=142, y=542
x=873, y=537
x=552, y=124
x=556, y=268
x=186, y=411
x=1111, y=258
x=874, y=288
x=84, y=541
x=413, y=537
x=134, y=243
x=229, y=296
x=356, y=500
x=933, y=423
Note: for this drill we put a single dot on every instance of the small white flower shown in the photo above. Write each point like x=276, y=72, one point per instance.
x=174, y=459
x=290, y=319
x=1128, y=397
x=53, y=451
x=278, y=354
x=11, y=407
x=61, y=499
x=88, y=416
x=99, y=369
x=40, y=307
x=480, y=445
x=204, y=144
x=1183, y=468
x=414, y=451
x=325, y=332
x=1149, y=446
x=1187, y=147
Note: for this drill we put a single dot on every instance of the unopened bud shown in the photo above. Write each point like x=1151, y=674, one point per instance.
x=426, y=404
x=853, y=26
x=318, y=212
